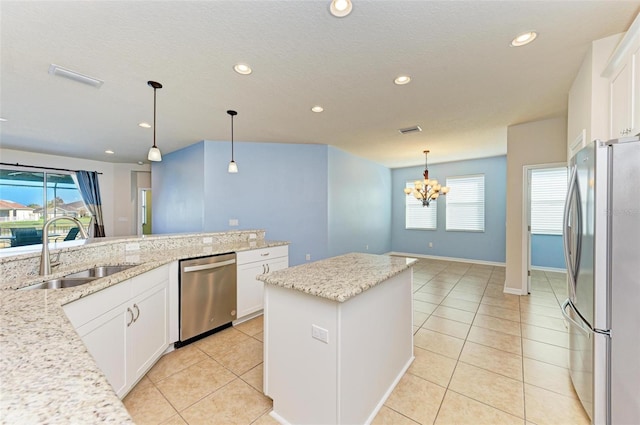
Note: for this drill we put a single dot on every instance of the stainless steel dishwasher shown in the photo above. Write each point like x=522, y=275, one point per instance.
x=207, y=295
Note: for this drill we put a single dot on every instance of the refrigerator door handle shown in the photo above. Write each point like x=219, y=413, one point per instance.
x=566, y=234
x=567, y=303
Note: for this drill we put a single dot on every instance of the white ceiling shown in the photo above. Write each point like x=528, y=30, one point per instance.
x=467, y=84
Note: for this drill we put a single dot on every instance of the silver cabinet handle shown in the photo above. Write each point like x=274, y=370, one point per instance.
x=268, y=270
x=138, y=311
x=265, y=254
x=131, y=313
x=566, y=304
x=264, y=271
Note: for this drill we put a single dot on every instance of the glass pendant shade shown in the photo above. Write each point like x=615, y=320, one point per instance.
x=233, y=167
x=154, y=154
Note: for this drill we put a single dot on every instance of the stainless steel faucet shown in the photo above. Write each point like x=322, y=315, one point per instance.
x=45, y=260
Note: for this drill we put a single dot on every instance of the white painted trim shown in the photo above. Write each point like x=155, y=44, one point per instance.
x=549, y=269
x=514, y=291
x=623, y=48
x=435, y=257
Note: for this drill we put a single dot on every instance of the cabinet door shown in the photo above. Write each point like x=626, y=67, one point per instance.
x=621, y=108
x=148, y=335
x=106, y=339
x=250, y=290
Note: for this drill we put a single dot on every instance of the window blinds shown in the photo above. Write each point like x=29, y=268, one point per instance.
x=548, y=191
x=465, y=203
x=417, y=216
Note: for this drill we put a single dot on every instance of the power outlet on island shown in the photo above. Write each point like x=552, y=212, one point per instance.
x=320, y=334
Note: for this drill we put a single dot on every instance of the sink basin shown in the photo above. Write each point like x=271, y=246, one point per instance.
x=64, y=282
x=80, y=278
x=101, y=271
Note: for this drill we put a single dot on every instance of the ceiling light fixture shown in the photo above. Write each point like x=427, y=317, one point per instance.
x=524, y=39
x=75, y=76
x=233, y=167
x=426, y=190
x=109, y=151
x=340, y=8
x=3, y=119
x=144, y=125
x=402, y=80
x=242, y=68
x=154, y=152
x=317, y=108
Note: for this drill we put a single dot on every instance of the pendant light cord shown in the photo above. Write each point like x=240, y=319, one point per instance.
x=154, y=117
x=231, y=137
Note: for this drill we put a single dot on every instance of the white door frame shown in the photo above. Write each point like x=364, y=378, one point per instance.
x=526, y=221
x=140, y=221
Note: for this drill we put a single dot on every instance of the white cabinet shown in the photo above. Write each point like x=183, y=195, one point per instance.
x=623, y=71
x=125, y=327
x=250, y=292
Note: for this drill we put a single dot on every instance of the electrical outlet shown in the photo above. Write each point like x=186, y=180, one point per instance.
x=320, y=334
x=366, y=247
x=430, y=244
x=308, y=257
x=233, y=222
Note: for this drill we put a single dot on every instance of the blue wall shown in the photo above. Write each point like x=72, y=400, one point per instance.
x=547, y=251
x=359, y=205
x=281, y=188
x=486, y=246
x=177, y=191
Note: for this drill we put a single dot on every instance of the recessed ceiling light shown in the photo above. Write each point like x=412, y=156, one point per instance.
x=144, y=125
x=242, y=68
x=317, y=108
x=402, y=79
x=109, y=151
x=3, y=119
x=140, y=162
x=340, y=8
x=524, y=39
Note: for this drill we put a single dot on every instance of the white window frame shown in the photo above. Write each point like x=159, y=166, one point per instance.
x=466, y=192
x=418, y=217
x=548, y=192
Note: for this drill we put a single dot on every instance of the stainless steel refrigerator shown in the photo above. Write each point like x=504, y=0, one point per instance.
x=602, y=253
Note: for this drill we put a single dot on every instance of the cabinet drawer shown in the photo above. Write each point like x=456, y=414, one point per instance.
x=149, y=279
x=263, y=254
x=85, y=309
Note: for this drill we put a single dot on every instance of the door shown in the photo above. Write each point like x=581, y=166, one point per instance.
x=148, y=335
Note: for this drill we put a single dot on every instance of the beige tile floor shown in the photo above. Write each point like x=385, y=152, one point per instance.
x=481, y=357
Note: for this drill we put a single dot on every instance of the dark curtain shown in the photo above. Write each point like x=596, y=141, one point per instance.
x=90, y=190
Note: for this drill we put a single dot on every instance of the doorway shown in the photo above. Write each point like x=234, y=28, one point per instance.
x=144, y=211
x=546, y=186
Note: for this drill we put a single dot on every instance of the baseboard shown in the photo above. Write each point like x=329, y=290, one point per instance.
x=435, y=257
x=386, y=395
x=513, y=291
x=549, y=269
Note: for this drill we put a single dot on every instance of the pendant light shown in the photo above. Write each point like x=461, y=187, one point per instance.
x=154, y=152
x=233, y=167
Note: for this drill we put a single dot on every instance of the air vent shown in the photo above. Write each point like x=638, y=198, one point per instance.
x=414, y=129
x=75, y=76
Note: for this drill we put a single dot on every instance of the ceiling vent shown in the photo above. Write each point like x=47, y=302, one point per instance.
x=75, y=76
x=409, y=130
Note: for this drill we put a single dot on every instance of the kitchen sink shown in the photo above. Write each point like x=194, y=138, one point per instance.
x=100, y=271
x=80, y=278
x=63, y=282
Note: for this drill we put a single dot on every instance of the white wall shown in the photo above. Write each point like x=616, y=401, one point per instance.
x=538, y=142
x=118, y=211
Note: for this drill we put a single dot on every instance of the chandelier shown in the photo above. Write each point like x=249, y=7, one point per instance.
x=426, y=190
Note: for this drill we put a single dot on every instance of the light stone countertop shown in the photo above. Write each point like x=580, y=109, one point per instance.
x=339, y=278
x=46, y=373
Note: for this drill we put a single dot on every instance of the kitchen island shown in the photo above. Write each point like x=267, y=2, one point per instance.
x=337, y=337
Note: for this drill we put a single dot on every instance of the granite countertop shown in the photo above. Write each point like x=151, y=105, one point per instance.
x=46, y=373
x=339, y=278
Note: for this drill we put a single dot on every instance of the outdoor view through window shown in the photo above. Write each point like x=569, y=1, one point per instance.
x=28, y=198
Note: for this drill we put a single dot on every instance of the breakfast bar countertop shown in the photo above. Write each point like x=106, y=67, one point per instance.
x=339, y=278
x=46, y=373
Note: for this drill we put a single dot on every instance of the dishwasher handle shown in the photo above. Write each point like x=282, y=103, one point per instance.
x=208, y=266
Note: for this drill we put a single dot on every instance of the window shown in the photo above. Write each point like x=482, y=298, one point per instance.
x=28, y=198
x=465, y=203
x=548, y=191
x=417, y=216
